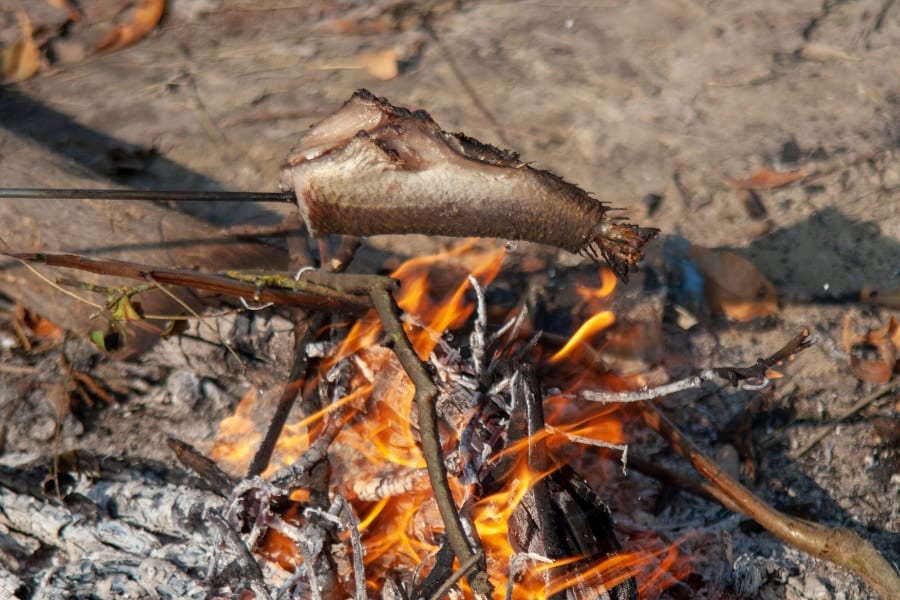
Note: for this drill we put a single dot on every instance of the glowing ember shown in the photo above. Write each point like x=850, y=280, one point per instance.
x=237, y=435
x=376, y=462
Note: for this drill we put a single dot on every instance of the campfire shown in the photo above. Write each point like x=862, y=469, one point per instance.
x=500, y=471
x=433, y=439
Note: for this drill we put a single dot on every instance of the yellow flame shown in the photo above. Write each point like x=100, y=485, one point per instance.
x=237, y=435
x=591, y=327
x=595, y=300
x=401, y=530
x=608, y=283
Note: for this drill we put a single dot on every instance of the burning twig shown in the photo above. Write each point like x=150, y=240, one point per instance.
x=350, y=522
x=570, y=520
x=297, y=475
x=837, y=545
x=302, y=335
x=425, y=395
x=465, y=568
x=587, y=441
x=306, y=328
x=221, y=482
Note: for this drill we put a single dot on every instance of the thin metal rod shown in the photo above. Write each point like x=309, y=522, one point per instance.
x=180, y=196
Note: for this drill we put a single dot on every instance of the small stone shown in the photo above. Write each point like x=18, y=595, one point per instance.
x=727, y=457
x=66, y=51
x=652, y=202
x=43, y=429
x=790, y=153
x=815, y=589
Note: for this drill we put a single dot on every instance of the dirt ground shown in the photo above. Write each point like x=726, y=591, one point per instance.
x=662, y=103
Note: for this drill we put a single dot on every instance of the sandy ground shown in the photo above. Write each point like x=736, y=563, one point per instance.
x=628, y=99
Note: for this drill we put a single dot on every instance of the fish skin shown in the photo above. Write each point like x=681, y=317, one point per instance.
x=373, y=168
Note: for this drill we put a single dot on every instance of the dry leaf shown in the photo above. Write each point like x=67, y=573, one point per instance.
x=21, y=59
x=48, y=332
x=885, y=298
x=823, y=52
x=764, y=179
x=380, y=65
x=145, y=18
x=874, y=355
x=733, y=286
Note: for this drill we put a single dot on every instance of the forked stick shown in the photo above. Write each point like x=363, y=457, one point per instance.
x=425, y=396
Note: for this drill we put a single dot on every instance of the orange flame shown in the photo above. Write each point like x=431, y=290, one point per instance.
x=380, y=442
x=608, y=284
x=591, y=327
x=237, y=435
x=595, y=299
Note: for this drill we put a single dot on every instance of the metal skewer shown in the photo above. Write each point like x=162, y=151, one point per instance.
x=179, y=196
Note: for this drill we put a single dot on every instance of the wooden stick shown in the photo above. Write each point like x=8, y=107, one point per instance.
x=425, y=396
x=131, y=195
x=303, y=293
x=837, y=545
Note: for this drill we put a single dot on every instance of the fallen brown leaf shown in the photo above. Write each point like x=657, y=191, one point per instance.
x=20, y=60
x=381, y=65
x=823, y=52
x=764, y=179
x=885, y=298
x=733, y=286
x=47, y=332
x=874, y=355
x=145, y=18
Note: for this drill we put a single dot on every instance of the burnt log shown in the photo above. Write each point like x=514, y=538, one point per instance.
x=114, y=527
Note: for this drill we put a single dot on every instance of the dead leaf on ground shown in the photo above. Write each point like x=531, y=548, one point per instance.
x=143, y=20
x=765, y=179
x=381, y=65
x=48, y=333
x=885, y=298
x=874, y=355
x=733, y=286
x=824, y=52
x=20, y=60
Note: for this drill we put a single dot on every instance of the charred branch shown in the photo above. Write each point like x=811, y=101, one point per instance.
x=425, y=396
x=192, y=459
